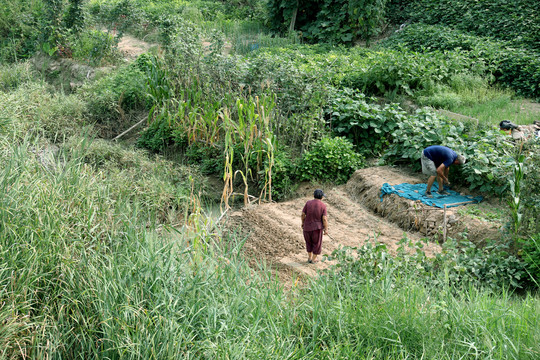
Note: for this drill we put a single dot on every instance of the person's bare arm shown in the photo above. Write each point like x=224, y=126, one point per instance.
x=325, y=224
x=303, y=217
x=442, y=171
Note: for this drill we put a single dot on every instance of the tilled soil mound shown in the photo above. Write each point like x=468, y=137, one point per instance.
x=355, y=215
x=364, y=187
x=275, y=234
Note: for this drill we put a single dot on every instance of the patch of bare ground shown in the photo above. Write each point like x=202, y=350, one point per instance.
x=132, y=47
x=355, y=215
x=274, y=232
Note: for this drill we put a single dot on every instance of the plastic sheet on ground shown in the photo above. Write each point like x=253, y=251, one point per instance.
x=418, y=192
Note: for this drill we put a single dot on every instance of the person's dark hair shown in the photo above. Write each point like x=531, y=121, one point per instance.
x=507, y=125
x=318, y=194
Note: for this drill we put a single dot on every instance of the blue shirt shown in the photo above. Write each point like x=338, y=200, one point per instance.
x=440, y=155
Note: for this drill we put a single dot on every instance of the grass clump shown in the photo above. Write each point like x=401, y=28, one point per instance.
x=36, y=108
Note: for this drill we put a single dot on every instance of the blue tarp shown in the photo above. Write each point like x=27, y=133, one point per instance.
x=418, y=192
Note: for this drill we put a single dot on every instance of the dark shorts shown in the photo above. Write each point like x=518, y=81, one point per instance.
x=313, y=241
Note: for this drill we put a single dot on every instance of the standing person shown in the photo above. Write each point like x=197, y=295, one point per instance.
x=436, y=162
x=314, y=223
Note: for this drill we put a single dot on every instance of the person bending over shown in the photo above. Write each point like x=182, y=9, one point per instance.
x=436, y=162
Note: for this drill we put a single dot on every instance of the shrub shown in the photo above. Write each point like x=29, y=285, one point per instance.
x=512, y=66
x=120, y=91
x=329, y=159
x=531, y=191
x=393, y=72
x=333, y=21
x=369, y=126
x=493, y=266
x=157, y=136
x=209, y=158
x=95, y=47
x=283, y=173
x=515, y=20
x=415, y=132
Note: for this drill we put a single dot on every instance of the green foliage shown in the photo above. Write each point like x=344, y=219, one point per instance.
x=405, y=72
x=120, y=91
x=489, y=154
x=158, y=136
x=415, y=132
x=329, y=159
x=36, y=109
x=95, y=47
x=462, y=90
x=210, y=159
x=74, y=18
x=20, y=25
x=332, y=21
x=395, y=11
x=13, y=76
x=531, y=190
x=515, y=20
x=514, y=202
x=531, y=255
x=459, y=265
x=512, y=66
x=491, y=161
x=283, y=173
x=493, y=265
x=369, y=126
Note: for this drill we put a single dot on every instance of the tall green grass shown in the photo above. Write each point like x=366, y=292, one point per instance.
x=519, y=111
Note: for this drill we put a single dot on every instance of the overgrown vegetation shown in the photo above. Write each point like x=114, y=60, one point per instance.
x=512, y=66
x=106, y=250
x=516, y=20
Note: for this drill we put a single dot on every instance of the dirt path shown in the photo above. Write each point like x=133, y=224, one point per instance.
x=275, y=234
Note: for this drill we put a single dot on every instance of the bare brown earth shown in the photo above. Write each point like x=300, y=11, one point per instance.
x=355, y=215
x=132, y=47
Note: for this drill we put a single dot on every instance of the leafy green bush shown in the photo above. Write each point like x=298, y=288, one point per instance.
x=531, y=190
x=120, y=91
x=95, y=47
x=210, y=159
x=329, y=159
x=512, y=66
x=158, y=136
x=491, y=161
x=415, y=132
x=405, y=72
x=333, y=21
x=20, y=28
x=369, y=126
x=283, y=173
x=493, y=265
x=458, y=266
x=515, y=20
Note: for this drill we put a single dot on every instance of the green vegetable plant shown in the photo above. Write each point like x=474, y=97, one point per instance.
x=368, y=125
x=329, y=159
